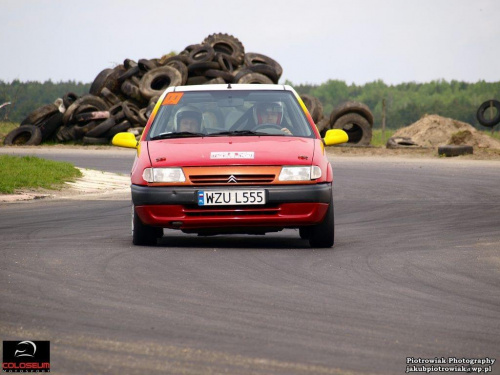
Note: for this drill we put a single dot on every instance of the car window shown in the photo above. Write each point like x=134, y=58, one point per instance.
x=231, y=112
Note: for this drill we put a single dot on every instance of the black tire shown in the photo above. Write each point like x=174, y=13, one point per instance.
x=131, y=90
x=24, y=135
x=51, y=125
x=142, y=234
x=91, y=115
x=40, y=114
x=455, y=150
x=132, y=114
x=116, y=112
x=323, y=126
x=267, y=70
x=146, y=65
x=181, y=58
x=95, y=101
x=323, y=234
x=351, y=107
x=198, y=68
x=226, y=76
x=201, y=53
x=226, y=44
x=481, y=113
x=100, y=129
x=181, y=67
x=95, y=141
x=67, y=133
x=357, y=128
x=305, y=232
x=130, y=72
x=109, y=97
x=69, y=98
x=155, y=81
x=118, y=128
x=314, y=107
x=100, y=79
x=226, y=63
x=400, y=142
x=197, y=80
x=257, y=58
x=128, y=63
x=215, y=81
x=255, y=78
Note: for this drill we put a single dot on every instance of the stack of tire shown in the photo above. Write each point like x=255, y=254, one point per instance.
x=122, y=98
x=354, y=118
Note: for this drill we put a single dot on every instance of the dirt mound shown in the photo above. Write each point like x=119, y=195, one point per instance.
x=434, y=130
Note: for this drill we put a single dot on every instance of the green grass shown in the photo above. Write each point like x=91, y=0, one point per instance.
x=6, y=128
x=30, y=172
x=377, y=136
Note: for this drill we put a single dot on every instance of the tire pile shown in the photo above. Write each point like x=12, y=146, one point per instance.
x=122, y=98
x=354, y=118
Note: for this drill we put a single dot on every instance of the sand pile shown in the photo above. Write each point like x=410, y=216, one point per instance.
x=434, y=130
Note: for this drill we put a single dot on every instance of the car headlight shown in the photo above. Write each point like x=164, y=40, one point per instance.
x=163, y=175
x=300, y=173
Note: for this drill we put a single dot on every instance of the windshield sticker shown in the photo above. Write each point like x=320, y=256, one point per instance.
x=232, y=155
x=172, y=98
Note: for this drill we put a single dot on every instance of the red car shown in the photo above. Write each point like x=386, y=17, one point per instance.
x=222, y=159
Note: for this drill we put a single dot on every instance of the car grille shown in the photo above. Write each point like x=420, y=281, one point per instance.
x=238, y=179
x=231, y=210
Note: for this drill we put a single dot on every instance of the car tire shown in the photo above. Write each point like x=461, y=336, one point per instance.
x=201, y=53
x=455, y=150
x=69, y=98
x=25, y=135
x=305, y=232
x=155, y=81
x=142, y=234
x=40, y=114
x=51, y=125
x=481, y=113
x=322, y=235
x=257, y=58
x=226, y=44
x=255, y=78
x=351, y=107
x=357, y=128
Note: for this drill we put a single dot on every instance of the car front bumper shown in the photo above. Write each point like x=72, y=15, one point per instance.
x=286, y=206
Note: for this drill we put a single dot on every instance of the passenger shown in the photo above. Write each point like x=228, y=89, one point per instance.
x=270, y=114
x=188, y=119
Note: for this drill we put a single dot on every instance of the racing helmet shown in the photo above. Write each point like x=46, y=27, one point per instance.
x=261, y=109
x=188, y=111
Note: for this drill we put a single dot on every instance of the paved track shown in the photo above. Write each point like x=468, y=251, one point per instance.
x=415, y=272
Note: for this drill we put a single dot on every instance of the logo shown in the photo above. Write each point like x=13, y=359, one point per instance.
x=232, y=179
x=26, y=356
x=22, y=353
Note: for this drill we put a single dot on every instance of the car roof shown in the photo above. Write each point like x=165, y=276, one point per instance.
x=229, y=86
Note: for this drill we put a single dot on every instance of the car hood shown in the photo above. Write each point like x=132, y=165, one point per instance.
x=215, y=151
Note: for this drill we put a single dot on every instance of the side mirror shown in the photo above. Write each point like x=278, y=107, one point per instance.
x=125, y=140
x=335, y=137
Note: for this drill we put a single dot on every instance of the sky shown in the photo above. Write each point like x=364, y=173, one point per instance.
x=356, y=41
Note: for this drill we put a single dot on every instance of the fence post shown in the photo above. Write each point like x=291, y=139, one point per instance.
x=383, y=121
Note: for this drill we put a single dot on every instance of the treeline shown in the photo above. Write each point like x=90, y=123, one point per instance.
x=27, y=96
x=408, y=102
x=405, y=103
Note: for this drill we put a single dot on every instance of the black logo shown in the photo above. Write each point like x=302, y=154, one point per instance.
x=26, y=356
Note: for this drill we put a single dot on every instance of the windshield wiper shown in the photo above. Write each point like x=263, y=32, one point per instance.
x=177, y=135
x=237, y=132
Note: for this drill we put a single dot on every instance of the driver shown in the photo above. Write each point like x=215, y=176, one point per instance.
x=188, y=119
x=270, y=113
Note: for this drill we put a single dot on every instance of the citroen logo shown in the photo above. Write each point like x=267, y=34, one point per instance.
x=232, y=179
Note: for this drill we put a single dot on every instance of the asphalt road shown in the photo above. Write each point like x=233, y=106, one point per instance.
x=415, y=272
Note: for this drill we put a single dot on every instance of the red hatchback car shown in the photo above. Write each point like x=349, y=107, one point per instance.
x=222, y=159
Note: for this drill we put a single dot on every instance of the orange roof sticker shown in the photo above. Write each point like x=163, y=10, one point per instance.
x=172, y=98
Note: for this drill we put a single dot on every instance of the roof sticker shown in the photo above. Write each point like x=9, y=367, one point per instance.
x=172, y=98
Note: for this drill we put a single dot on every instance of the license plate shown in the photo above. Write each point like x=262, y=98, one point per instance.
x=231, y=197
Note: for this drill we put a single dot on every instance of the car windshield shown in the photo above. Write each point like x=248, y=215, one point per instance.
x=230, y=113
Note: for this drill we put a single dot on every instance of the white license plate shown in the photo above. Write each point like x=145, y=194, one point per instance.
x=230, y=197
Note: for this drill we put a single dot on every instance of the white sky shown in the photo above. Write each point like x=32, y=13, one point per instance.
x=356, y=41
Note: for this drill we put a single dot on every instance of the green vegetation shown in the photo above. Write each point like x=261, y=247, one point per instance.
x=408, y=102
x=5, y=128
x=378, y=140
x=28, y=96
x=30, y=172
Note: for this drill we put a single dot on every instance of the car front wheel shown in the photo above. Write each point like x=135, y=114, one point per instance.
x=323, y=234
x=143, y=234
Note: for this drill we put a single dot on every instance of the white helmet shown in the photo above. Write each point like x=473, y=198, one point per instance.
x=188, y=111
x=272, y=107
